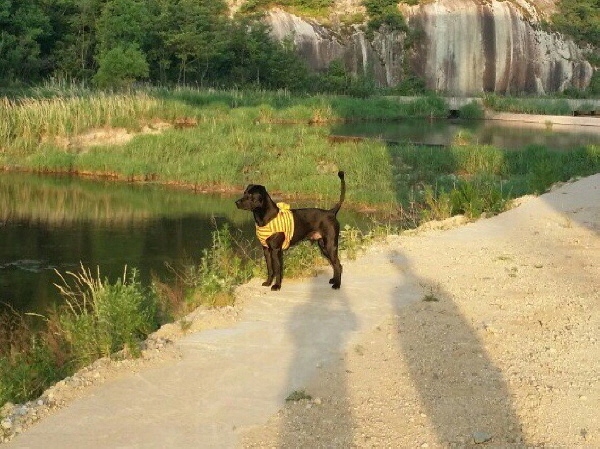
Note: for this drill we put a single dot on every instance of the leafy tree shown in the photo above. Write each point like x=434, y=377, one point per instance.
x=76, y=46
x=335, y=79
x=195, y=34
x=580, y=19
x=120, y=66
x=23, y=25
x=384, y=12
x=252, y=56
x=159, y=55
x=121, y=22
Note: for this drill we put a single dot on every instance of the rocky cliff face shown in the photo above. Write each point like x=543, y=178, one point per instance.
x=462, y=48
x=381, y=56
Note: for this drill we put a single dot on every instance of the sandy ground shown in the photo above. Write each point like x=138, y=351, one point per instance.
x=502, y=349
x=486, y=333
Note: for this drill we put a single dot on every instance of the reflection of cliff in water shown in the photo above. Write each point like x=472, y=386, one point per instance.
x=503, y=135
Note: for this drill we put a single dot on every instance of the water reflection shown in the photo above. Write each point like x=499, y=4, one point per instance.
x=54, y=223
x=504, y=135
x=50, y=223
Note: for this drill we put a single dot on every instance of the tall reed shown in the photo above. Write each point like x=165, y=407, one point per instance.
x=100, y=318
x=525, y=105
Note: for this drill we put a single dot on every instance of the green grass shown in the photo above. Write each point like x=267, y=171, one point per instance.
x=240, y=137
x=526, y=105
x=474, y=179
x=274, y=138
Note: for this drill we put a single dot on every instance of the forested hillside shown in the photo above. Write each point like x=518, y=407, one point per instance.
x=112, y=43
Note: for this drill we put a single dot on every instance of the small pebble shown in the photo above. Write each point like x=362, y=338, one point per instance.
x=481, y=437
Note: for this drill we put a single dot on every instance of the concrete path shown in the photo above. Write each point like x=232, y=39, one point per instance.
x=229, y=379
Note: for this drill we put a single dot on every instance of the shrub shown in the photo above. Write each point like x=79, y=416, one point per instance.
x=27, y=364
x=101, y=318
x=482, y=194
x=121, y=66
x=226, y=264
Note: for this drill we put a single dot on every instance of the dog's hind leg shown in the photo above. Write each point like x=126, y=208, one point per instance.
x=329, y=249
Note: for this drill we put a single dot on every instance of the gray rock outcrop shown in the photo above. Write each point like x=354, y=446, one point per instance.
x=461, y=48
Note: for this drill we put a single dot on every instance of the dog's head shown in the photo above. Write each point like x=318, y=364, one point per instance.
x=255, y=197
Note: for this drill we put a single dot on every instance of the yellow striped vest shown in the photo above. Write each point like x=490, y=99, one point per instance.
x=283, y=222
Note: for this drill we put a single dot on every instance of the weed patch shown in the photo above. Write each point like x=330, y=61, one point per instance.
x=298, y=395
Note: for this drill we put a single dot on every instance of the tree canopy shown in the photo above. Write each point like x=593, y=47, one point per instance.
x=116, y=42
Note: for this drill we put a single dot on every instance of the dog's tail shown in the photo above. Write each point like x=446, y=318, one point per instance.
x=337, y=206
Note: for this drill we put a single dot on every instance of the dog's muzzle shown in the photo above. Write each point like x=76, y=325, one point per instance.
x=241, y=204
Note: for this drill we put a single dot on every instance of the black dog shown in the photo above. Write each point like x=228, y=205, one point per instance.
x=279, y=227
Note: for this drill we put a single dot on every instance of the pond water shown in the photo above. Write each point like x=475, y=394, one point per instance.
x=50, y=223
x=505, y=135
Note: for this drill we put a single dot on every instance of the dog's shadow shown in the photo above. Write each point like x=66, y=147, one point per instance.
x=319, y=328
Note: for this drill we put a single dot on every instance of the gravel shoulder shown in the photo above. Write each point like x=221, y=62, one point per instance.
x=452, y=334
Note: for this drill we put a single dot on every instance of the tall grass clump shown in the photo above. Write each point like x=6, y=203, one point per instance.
x=483, y=193
x=228, y=262
x=474, y=159
x=28, y=364
x=472, y=111
x=101, y=318
x=26, y=123
x=525, y=105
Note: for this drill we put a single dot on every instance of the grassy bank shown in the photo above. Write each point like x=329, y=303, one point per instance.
x=226, y=139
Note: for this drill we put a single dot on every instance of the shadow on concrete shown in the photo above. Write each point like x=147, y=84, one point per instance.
x=324, y=347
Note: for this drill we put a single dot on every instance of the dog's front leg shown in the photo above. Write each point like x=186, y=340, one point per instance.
x=275, y=243
x=267, y=253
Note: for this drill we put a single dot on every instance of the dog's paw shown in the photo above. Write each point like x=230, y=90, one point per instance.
x=332, y=281
x=275, y=288
x=336, y=285
x=267, y=283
